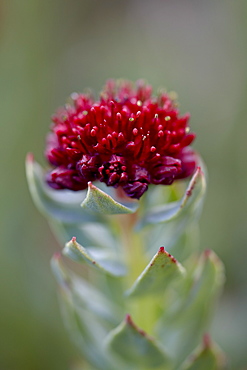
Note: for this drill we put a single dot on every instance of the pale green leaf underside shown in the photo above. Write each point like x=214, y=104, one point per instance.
x=88, y=234
x=162, y=270
x=135, y=347
x=194, y=193
x=96, y=258
x=85, y=295
x=84, y=311
x=62, y=205
x=97, y=201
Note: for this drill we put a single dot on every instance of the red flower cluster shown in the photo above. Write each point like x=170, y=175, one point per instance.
x=127, y=138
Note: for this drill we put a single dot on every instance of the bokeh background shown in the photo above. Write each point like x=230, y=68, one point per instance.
x=50, y=48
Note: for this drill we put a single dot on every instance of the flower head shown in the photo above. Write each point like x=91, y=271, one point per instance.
x=128, y=138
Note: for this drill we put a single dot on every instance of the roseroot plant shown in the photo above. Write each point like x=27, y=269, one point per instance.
x=123, y=193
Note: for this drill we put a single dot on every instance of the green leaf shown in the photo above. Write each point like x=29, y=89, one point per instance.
x=97, y=201
x=135, y=348
x=187, y=205
x=159, y=273
x=188, y=313
x=99, y=259
x=89, y=233
x=205, y=358
x=62, y=205
x=87, y=314
x=164, y=225
x=85, y=295
x=60, y=272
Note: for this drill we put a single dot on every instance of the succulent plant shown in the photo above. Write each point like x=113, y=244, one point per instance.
x=145, y=294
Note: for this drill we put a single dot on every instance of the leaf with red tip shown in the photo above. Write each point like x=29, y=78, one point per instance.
x=185, y=207
x=135, y=348
x=98, y=202
x=162, y=270
x=96, y=258
x=188, y=315
x=87, y=313
x=208, y=356
x=164, y=225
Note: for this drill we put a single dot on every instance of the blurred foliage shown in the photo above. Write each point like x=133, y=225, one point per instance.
x=51, y=48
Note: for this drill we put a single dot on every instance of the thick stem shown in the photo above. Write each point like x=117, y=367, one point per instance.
x=144, y=310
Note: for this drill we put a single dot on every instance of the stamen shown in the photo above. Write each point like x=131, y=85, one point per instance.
x=93, y=132
x=121, y=136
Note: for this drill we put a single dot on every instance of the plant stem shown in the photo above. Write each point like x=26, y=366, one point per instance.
x=142, y=309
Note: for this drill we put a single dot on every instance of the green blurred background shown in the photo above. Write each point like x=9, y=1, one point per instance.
x=52, y=48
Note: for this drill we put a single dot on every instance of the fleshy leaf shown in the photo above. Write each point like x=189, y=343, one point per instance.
x=205, y=358
x=86, y=313
x=62, y=205
x=159, y=273
x=60, y=272
x=188, y=314
x=135, y=348
x=97, y=201
x=89, y=233
x=99, y=259
x=186, y=205
x=85, y=295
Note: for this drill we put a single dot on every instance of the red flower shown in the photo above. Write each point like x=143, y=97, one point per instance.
x=127, y=138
